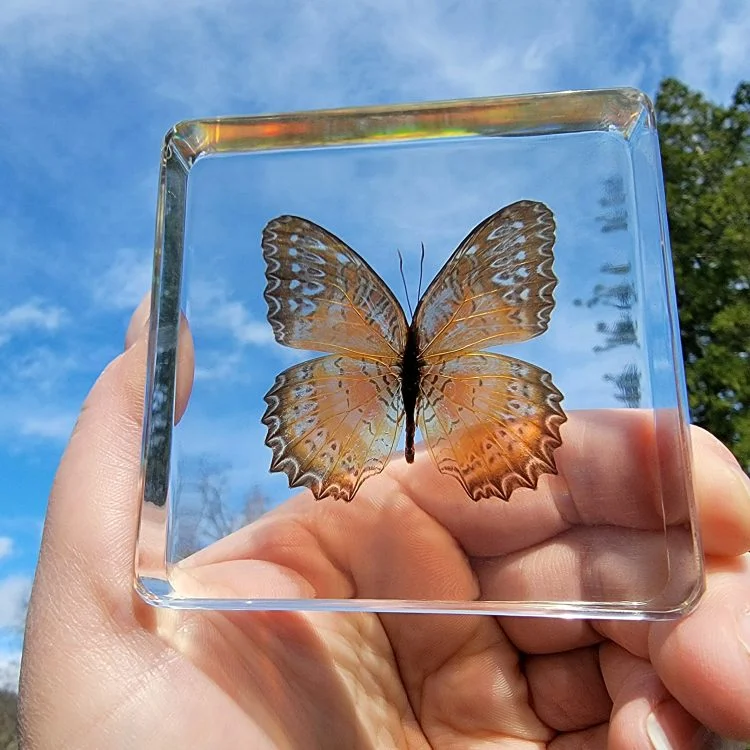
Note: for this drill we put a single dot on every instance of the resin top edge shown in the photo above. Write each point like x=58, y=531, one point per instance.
x=529, y=114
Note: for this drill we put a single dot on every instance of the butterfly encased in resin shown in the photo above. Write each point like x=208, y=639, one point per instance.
x=491, y=421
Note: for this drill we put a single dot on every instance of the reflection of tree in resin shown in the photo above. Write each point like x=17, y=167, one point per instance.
x=627, y=386
x=617, y=292
x=615, y=216
x=159, y=442
x=204, y=514
x=620, y=295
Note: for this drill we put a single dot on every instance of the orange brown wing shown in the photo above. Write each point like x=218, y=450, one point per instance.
x=491, y=422
x=332, y=422
x=324, y=297
x=496, y=288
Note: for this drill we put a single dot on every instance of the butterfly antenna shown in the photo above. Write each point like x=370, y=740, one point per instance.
x=403, y=279
x=421, y=270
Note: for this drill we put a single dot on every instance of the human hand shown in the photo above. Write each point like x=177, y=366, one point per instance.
x=102, y=669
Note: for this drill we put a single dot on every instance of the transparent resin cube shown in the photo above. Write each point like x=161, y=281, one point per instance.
x=517, y=445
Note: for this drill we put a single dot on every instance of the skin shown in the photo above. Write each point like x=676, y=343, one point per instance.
x=102, y=669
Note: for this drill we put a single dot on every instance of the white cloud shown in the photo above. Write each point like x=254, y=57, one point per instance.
x=41, y=389
x=227, y=335
x=215, y=309
x=125, y=281
x=33, y=315
x=47, y=426
x=709, y=44
x=6, y=546
x=27, y=421
x=235, y=318
x=10, y=668
x=224, y=367
x=38, y=369
x=325, y=53
x=14, y=599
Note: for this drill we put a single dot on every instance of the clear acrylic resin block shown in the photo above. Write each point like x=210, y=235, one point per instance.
x=418, y=358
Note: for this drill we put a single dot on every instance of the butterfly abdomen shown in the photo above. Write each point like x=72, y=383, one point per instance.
x=411, y=375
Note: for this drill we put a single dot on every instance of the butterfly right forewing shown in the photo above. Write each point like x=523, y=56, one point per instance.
x=496, y=288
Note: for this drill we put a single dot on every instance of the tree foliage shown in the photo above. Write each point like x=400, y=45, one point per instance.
x=706, y=161
x=8, y=717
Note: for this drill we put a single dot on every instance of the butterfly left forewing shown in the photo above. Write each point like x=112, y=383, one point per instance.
x=332, y=422
x=323, y=296
x=492, y=422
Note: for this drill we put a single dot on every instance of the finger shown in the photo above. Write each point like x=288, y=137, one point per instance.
x=722, y=491
x=724, y=520
x=611, y=471
x=567, y=690
x=331, y=549
x=589, y=564
x=704, y=658
x=644, y=714
x=138, y=321
x=464, y=679
x=723, y=514
x=585, y=739
x=92, y=513
x=139, y=324
x=461, y=674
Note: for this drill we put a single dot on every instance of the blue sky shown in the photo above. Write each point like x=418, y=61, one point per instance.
x=88, y=91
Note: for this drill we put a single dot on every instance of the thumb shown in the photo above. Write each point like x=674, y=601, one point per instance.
x=92, y=515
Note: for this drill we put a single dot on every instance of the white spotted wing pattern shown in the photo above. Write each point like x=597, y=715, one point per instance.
x=491, y=421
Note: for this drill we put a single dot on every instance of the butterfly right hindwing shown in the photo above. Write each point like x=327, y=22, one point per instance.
x=490, y=421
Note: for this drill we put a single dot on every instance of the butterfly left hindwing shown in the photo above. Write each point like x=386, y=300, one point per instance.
x=332, y=422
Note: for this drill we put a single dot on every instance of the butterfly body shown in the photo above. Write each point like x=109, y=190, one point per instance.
x=490, y=421
x=410, y=367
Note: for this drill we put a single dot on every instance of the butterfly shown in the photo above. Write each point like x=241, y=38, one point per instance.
x=490, y=421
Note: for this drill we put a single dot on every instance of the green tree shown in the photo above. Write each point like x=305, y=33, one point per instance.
x=706, y=160
x=8, y=717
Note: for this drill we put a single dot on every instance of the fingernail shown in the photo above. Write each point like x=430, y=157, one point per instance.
x=743, y=627
x=656, y=734
x=740, y=480
x=139, y=322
